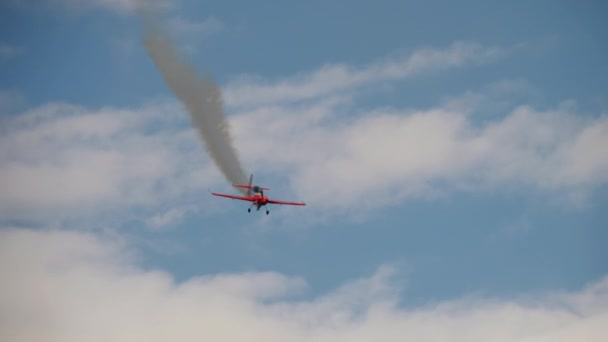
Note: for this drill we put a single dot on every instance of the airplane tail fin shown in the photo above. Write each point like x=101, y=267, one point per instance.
x=250, y=184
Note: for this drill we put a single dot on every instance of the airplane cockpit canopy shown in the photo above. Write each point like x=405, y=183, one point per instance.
x=256, y=189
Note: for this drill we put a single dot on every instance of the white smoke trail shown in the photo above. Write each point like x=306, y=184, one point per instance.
x=201, y=97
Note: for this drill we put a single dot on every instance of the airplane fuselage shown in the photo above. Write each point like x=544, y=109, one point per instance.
x=260, y=200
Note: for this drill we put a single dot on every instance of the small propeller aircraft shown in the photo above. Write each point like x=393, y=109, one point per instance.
x=255, y=194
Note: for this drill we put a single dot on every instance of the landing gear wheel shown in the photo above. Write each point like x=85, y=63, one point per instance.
x=248, y=210
x=267, y=212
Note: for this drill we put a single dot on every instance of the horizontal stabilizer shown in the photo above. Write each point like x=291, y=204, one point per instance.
x=243, y=186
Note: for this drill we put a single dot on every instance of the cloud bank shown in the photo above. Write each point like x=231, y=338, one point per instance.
x=385, y=155
x=61, y=160
x=67, y=286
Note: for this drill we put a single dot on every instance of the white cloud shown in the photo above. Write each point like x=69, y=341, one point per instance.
x=59, y=160
x=169, y=217
x=339, y=78
x=66, y=286
x=381, y=156
x=62, y=161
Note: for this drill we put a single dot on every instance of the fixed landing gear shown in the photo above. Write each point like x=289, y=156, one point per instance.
x=258, y=209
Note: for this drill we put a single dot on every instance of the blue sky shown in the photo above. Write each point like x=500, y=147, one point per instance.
x=453, y=158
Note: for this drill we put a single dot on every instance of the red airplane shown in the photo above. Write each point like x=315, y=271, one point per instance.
x=255, y=194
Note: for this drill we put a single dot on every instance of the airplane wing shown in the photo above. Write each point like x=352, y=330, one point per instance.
x=242, y=198
x=285, y=203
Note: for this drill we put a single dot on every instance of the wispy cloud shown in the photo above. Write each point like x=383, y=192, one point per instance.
x=59, y=157
x=386, y=155
x=169, y=217
x=61, y=161
x=331, y=80
x=339, y=156
x=55, y=278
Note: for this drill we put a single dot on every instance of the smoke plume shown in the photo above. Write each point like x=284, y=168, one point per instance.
x=201, y=97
